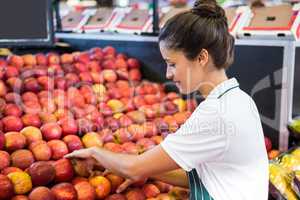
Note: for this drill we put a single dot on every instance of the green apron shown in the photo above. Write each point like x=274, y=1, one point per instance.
x=197, y=189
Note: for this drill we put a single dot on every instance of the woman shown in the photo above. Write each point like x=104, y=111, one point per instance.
x=221, y=146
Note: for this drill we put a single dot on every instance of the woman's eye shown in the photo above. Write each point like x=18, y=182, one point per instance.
x=172, y=65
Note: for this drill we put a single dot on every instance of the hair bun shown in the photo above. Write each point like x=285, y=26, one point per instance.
x=208, y=9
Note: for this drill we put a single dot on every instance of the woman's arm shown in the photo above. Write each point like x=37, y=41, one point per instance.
x=176, y=177
x=133, y=167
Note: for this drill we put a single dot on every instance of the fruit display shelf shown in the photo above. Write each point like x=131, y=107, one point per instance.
x=52, y=104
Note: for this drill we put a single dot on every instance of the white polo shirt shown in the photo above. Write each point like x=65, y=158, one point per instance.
x=223, y=140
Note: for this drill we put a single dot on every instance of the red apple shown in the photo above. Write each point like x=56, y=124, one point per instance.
x=46, y=82
x=83, y=57
x=41, y=173
x=73, y=142
x=22, y=158
x=116, y=197
x=41, y=193
x=11, y=98
x=29, y=96
x=85, y=191
x=41, y=150
x=268, y=144
x=133, y=63
x=61, y=83
x=15, y=84
x=9, y=170
x=130, y=148
x=41, y=59
x=53, y=59
x=135, y=75
x=72, y=79
x=16, y=60
x=14, y=141
x=32, y=107
x=2, y=138
x=64, y=170
x=68, y=126
x=11, y=72
x=51, y=131
x=4, y=160
x=64, y=191
x=58, y=149
x=109, y=64
x=31, y=84
x=86, y=77
x=31, y=120
x=3, y=89
x=135, y=194
x=115, y=181
x=112, y=123
x=6, y=188
x=145, y=144
x=151, y=190
x=109, y=50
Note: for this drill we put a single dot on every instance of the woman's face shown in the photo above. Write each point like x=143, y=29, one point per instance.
x=187, y=75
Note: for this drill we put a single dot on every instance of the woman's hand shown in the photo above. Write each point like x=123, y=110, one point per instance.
x=82, y=153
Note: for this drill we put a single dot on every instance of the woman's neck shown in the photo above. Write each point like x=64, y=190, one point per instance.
x=212, y=80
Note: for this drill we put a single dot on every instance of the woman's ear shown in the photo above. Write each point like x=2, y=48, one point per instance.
x=203, y=57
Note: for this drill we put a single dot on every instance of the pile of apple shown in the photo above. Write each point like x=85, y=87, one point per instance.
x=51, y=105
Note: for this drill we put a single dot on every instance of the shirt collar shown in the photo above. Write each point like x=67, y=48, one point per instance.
x=222, y=87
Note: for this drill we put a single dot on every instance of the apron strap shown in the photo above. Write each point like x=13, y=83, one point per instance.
x=197, y=189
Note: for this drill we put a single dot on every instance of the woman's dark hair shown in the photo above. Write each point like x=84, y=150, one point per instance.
x=205, y=26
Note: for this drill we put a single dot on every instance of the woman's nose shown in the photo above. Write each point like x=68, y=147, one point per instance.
x=170, y=73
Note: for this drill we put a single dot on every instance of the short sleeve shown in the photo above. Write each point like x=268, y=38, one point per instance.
x=202, y=138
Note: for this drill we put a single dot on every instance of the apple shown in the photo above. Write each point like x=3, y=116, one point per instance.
x=135, y=194
x=137, y=116
x=92, y=139
x=114, y=93
x=130, y=148
x=32, y=134
x=20, y=197
x=73, y=142
x=41, y=173
x=9, y=170
x=109, y=50
x=11, y=72
x=268, y=144
x=105, y=109
x=94, y=66
x=117, y=148
x=14, y=141
x=150, y=129
x=41, y=193
x=46, y=82
x=107, y=135
x=66, y=58
x=64, y=170
x=137, y=132
x=4, y=160
x=53, y=59
x=84, y=126
x=60, y=83
x=51, y=131
x=32, y=107
x=138, y=101
x=101, y=185
x=2, y=139
x=41, y=59
x=86, y=77
x=68, y=126
x=29, y=96
x=6, y=188
x=12, y=123
x=125, y=121
x=29, y=60
x=120, y=63
x=72, y=79
x=112, y=123
x=22, y=158
x=135, y=75
x=21, y=181
x=31, y=120
x=151, y=190
x=64, y=191
x=122, y=135
x=15, y=84
x=85, y=191
x=79, y=179
x=109, y=75
x=31, y=84
x=109, y=64
x=83, y=57
x=145, y=144
x=133, y=63
x=16, y=60
x=97, y=77
x=58, y=149
x=41, y=150
x=115, y=181
x=10, y=97
x=3, y=89
x=116, y=197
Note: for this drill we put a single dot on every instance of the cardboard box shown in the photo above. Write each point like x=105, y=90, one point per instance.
x=135, y=21
x=100, y=20
x=273, y=22
x=74, y=21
